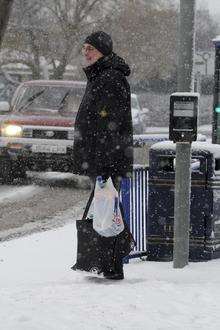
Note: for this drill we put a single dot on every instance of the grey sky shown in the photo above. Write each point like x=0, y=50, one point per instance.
x=214, y=6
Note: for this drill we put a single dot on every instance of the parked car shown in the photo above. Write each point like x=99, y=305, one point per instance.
x=37, y=129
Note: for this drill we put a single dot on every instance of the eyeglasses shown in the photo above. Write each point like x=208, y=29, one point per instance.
x=87, y=49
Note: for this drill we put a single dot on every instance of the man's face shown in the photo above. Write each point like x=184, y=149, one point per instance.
x=91, y=54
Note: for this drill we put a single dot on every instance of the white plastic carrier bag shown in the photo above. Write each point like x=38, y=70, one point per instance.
x=107, y=218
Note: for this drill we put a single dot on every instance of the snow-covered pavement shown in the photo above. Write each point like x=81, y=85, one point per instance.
x=38, y=291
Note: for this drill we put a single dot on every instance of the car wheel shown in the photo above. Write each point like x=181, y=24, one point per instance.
x=6, y=172
x=11, y=170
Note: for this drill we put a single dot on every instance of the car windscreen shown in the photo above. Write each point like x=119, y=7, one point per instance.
x=40, y=99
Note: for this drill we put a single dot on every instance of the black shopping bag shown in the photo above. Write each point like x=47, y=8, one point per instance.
x=88, y=247
x=96, y=253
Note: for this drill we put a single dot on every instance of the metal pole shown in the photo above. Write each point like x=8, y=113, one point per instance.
x=186, y=45
x=216, y=95
x=182, y=205
x=183, y=149
x=198, y=82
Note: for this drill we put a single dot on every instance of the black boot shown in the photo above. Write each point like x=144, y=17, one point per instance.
x=117, y=272
x=114, y=276
x=111, y=260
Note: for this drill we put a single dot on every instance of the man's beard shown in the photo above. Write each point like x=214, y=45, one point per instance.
x=85, y=63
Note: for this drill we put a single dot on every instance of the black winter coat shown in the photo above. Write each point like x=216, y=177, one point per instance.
x=103, y=141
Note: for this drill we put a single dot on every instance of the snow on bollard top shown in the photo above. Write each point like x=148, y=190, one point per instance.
x=197, y=146
x=186, y=94
x=216, y=41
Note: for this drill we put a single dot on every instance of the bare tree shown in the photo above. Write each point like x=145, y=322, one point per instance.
x=52, y=29
x=145, y=33
x=206, y=29
x=72, y=17
x=21, y=42
x=5, y=8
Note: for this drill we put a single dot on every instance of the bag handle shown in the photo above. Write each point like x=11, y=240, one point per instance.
x=125, y=223
x=88, y=205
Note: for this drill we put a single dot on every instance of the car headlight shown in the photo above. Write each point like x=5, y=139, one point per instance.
x=11, y=130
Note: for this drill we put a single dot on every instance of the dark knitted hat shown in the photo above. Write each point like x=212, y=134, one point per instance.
x=101, y=41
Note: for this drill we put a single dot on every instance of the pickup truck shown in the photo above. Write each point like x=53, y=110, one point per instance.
x=37, y=128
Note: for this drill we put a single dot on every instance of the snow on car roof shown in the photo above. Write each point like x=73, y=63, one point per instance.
x=196, y=146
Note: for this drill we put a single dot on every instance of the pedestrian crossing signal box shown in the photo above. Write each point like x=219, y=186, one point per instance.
x=183, y=117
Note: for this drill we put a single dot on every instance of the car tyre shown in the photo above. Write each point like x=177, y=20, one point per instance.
x=10, y=171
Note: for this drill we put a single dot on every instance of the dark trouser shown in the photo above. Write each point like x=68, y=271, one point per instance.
x=112, y=262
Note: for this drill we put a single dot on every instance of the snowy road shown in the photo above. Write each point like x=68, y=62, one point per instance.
x=11, y=193
x=31, y=205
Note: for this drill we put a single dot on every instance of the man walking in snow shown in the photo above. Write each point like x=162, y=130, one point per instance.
x=103, y=142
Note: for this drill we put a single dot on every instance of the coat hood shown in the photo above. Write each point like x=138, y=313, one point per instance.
x=117, y=63
x=112, y=61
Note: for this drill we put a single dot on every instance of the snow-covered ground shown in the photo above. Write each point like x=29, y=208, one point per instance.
x=38, y=291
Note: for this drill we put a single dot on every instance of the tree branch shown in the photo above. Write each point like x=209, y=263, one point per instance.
x=9, y=78
x=5, y=9
x=89, y=8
